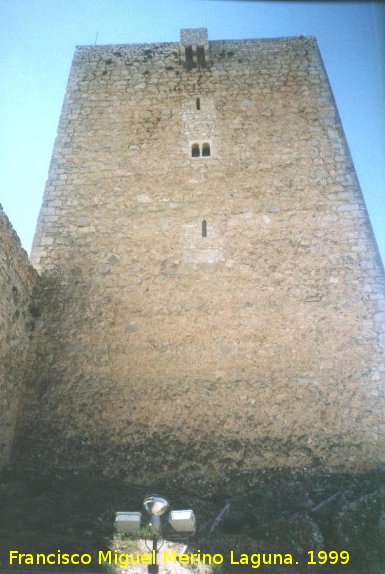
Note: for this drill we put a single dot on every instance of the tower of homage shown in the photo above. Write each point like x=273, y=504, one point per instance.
x=210, y=300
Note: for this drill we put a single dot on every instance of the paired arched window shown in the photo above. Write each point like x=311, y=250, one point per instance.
x=195, y=151
x=205, y=150
x=200, y=150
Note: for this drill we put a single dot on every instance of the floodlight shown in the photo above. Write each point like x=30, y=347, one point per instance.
x=128, y=522
x=156, y=505
x=183, y=521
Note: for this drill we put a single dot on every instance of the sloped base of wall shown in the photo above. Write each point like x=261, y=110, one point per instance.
x=285, y=511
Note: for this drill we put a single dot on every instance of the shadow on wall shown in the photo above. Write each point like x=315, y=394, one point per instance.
x=268, y=511
x=284, y=511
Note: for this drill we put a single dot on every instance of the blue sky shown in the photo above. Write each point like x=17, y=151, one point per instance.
x=38, y=38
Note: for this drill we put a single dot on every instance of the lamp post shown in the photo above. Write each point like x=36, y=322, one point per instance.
x=182, y=523
x=156, y=507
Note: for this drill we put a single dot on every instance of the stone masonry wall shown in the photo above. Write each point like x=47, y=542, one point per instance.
x=259, y=345
x=17, y=279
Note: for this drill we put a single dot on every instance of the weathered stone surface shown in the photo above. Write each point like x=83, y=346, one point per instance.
x=285, y=512
x=17, y=279
x=204, y=351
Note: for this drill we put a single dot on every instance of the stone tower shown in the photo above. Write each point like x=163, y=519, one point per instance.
x=211, y=298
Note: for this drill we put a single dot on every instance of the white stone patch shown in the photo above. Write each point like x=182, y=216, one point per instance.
x=143, y=198
x=198, y=249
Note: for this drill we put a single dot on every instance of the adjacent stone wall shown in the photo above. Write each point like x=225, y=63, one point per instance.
x=261, y=344
x=17, y=279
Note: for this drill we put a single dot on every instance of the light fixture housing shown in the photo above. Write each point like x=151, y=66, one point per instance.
x=183, y=521
x=128, y=522
x=156, y=505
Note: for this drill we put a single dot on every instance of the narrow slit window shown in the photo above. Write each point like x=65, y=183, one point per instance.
x=195, y=150
x=198, y=103
x=204, y=228
x=206, y=150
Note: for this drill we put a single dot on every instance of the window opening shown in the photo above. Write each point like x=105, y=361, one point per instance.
x=201, y=55
x=206, y=150
x=189, y=57
x=204, y=228
x=198, y=103
x=195, y=150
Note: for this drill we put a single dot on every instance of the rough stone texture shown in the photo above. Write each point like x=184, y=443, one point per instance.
x=193, y=36
x=194, y=46
x=199, y=358
x=17, y=279
x=286, y=512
